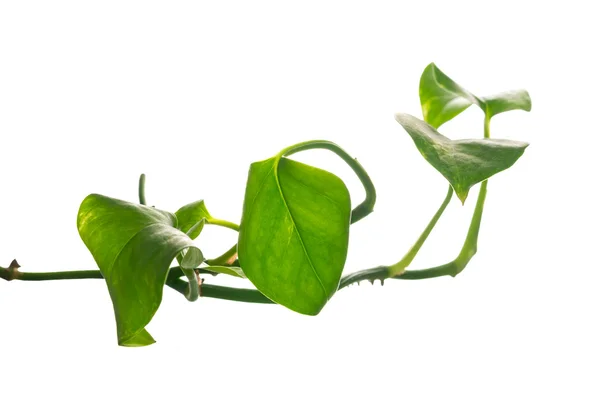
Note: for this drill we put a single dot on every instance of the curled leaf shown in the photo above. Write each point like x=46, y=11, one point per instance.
x=134, y=246
x=190, y=216
x=441, y=98
x=463, y=163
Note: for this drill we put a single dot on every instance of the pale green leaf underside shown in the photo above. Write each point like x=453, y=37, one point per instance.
x=463, y=163
x=443, y=99
x=134, y=246
x=294, y=233
x=196, y=229
x=223, y=269
x=189, y=218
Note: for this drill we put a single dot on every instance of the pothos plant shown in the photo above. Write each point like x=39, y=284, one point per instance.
x=295, y=226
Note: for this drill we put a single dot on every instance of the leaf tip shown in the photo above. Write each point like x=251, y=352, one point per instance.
x=462, y=195
x=401, y=118
x=527, y=105
x=140, y=339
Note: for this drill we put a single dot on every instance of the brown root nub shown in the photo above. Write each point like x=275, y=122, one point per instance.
x=14, y=265
x=11, y=272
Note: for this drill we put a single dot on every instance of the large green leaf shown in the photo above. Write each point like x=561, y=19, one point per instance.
x=443, y=99
x=463, y=162
x=294, y=233
x=134, y=246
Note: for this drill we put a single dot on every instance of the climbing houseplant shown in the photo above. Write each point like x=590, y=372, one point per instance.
x=294, y=232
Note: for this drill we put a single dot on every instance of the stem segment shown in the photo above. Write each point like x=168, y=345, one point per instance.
x=401, y=265
x=225, y=258
x=366, y=207
x=14, y=274
x=223, y=223
x=223, y=292
x=467, y=252
x=469, y=248
x=192, y=291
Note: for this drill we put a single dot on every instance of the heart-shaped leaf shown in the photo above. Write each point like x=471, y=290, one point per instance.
x=134, y=246
x=463, y=163
x=294, y=233
x=443, y=99
x=191, y=216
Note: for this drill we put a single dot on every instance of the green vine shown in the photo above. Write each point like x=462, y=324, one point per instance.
x=294, y=233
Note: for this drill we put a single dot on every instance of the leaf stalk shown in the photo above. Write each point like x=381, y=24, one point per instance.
x=366, y=207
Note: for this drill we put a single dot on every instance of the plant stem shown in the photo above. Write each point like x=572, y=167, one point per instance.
x=183, y=287
x=142, y=189
x=192, y=291
x=371, y=275
x=400, y=266
x=221, y=222
x=486, y=126
x=364, y=208
x=223, y=292
x=173, y=281
x=467, y=252
x=14, y=274
x=224, y=259
x=48, y=276
x=469, y=248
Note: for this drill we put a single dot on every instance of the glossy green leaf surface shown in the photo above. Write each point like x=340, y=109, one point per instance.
x=134, y=246
x=191, y=216
x=443, y=99
x=294, y=233
x=463, y=163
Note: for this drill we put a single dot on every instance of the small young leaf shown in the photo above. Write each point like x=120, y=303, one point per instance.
x=133, y=246
x=507, y=101
x=441, y=98
x=190, y=215
x=463, y=163
x=294, y=233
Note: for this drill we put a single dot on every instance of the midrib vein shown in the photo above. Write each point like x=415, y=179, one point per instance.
x=276, y=173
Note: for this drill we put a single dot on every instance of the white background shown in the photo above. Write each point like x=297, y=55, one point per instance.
x=94, y=93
